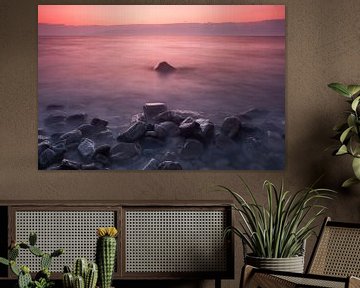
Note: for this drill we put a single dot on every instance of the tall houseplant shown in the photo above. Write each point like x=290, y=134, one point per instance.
x=276, y=233
x=348, y=132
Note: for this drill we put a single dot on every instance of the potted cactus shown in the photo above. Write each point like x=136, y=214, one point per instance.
x=106, y=254
x=84, y=275
x=42, y=278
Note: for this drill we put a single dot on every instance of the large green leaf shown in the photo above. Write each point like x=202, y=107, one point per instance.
x=349, y=182
x=356, y=167
x=353, y=89
x=345, y=134
x=4, y=261
x=355, y=103
x=342, y=150
x=351, y=120
x=340, y=88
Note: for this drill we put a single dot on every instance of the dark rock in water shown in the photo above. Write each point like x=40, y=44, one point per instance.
x=224, y=143
x=55, y=136
x=151, y=143
x=103, y=150
x=151, y=134
x=59, y=149
x=73, y=136
x=76, y=119
x=164, y=67
x=55, y=117
x=151, y=110
x=102, y=159
x=192, y=149
x=100, y=124
x=42, y=138
x=150, y=126
x=91, y=166
x=169, y=156
x=127, y=148
x=231, y=126
x=161, y=132
x=123, y=152
x=47, y=157
x=176, y=116
x=86, y=148
x=43, y=146
x=69, y=165
x=87, y=130
x=207, y=129
x=151, y=165
x=133, y=133
x=138, y=117
x=169, y=165
x=170, y=128
x=189, y=127
x=59, y=127
x=53, y=107
x=169, y=116
x=105, y=136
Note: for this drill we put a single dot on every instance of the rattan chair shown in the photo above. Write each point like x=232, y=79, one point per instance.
x=335, y=262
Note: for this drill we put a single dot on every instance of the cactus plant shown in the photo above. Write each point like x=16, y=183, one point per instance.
x=84, y=274
x=91, y=276
x=24, y=280
x=42, y=278
x=80, y=268
x=106, y=254
x=79, y=282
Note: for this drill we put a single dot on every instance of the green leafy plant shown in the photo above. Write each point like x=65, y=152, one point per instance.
x=279, y=229
x=348, y=132
x=42, y=278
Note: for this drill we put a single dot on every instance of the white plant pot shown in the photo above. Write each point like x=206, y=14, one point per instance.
x=291, y=264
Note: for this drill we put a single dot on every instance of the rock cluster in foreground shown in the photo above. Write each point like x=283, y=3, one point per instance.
x=157, y=139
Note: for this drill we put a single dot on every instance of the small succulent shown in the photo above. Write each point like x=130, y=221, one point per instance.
x=42, y=283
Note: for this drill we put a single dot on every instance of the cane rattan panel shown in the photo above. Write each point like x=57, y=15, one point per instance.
x=75, y=231
x=175, y=241
x=313, y=282
x=338, y=253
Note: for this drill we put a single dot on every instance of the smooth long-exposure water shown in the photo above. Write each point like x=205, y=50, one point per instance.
x=112, y=77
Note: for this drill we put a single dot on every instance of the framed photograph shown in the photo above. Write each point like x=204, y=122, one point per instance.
x=161, y=87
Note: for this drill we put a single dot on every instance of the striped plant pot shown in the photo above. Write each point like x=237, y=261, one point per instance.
x=291, y=264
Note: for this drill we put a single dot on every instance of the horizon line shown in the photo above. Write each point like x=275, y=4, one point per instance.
x=142, y=24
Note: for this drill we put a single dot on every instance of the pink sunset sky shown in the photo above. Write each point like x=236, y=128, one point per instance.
x=156, y=14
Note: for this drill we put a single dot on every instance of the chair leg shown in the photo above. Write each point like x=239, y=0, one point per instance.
x=246, y=273
x=217, y=283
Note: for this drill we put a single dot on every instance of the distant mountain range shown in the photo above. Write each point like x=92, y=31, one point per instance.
x=261, y=28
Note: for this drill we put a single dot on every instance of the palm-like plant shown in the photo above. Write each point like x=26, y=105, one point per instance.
x=280, y=229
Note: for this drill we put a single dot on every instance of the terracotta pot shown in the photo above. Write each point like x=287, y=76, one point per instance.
x=291, y=264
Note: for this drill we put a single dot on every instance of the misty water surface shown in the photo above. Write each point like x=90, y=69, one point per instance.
x=112, y=76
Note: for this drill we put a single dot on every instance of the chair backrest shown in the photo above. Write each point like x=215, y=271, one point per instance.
x=337, y=251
